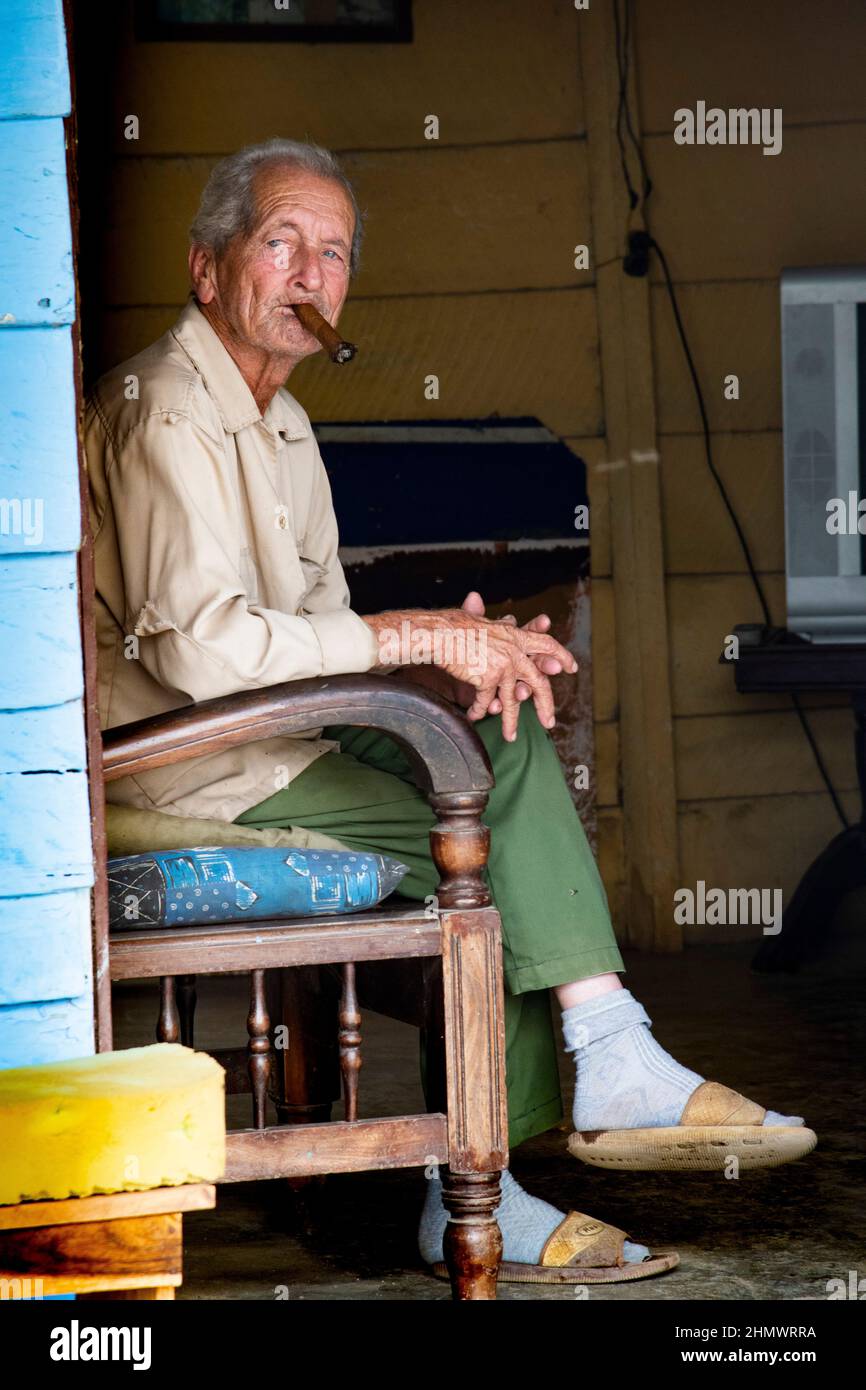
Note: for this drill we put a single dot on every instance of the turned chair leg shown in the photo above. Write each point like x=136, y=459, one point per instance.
x=305, y=1077
x=305, y=1074
x=186, y=1002
x=472, y=1242
x=474, y=1026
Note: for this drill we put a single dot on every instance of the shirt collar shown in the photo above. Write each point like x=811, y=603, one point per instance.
x=224, y=382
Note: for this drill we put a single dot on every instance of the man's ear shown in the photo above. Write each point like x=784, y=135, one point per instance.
x=201, y=273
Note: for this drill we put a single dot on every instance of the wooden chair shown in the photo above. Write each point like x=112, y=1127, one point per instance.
x=454, y=988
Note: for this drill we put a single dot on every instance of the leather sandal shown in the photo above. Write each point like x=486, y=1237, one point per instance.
x=580, y=1251
x=717, y=1124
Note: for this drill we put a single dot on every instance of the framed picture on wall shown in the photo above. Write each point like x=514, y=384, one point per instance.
x=301, y=21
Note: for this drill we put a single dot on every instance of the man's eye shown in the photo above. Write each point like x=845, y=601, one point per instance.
x=274, y=241
x=331, y=252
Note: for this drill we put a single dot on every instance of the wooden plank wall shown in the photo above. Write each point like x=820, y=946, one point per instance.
x=468, y=268
x=45, y=847
x=751, y=806
x=469, y=273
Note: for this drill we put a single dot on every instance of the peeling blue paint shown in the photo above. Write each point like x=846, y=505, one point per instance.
x=35, y=229
x=34, y=73
x=46, y=860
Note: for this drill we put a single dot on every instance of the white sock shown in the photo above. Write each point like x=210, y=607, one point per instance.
x=525, y=1222
x=625, y=1079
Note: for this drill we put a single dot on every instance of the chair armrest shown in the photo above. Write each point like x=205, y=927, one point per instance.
x=441, y=745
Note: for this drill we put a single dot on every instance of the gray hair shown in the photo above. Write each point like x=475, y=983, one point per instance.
x=228, y=206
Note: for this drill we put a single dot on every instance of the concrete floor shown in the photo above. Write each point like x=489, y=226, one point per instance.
x=793, y=1043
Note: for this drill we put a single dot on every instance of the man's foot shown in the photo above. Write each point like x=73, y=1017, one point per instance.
x=636, y=1107
x=542, y=1244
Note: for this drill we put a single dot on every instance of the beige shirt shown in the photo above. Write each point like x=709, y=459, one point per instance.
x=215, y=546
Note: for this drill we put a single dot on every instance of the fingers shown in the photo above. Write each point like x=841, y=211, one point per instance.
x=523, y=693
x=548, y=665
x=477, y=710
x=484, y=696
x=510, y=710
x=542, y=693
x=499, y=697
x=516, y=664
x=474, y=604
x=539, y=645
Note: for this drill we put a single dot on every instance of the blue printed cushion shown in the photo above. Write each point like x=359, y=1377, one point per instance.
x=194, y=887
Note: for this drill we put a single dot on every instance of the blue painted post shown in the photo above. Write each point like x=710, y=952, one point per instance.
x=46, y=862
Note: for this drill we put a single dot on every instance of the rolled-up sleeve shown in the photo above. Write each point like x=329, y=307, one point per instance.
x=177, y=530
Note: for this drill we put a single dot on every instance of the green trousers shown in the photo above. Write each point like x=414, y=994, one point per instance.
x=542, y=876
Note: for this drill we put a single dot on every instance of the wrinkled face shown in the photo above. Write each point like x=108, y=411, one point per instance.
x=298, y=250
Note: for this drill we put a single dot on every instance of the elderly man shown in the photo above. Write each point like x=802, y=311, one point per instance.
x=217, y=571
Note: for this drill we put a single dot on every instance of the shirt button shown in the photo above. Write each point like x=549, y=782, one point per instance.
x=282, y=521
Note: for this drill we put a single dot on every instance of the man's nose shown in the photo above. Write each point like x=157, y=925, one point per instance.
x=306, y=269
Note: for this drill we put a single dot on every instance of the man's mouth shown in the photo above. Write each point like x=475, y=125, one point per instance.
x=287, y=308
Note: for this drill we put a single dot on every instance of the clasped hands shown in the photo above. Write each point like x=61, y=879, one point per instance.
x=516, y=665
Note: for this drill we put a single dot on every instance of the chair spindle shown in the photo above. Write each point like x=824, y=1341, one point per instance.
x=349, y=1037
x=186, y=1002
x=259, y=1047
x=168, y=1022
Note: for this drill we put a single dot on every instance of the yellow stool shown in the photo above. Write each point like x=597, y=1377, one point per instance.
x=99, y=1158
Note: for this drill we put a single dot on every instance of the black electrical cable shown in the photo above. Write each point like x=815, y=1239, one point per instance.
x=623, y=113
x=623, y=43
x=840, y=810
x=705, y=425
x=744, y=545
x=622, y=105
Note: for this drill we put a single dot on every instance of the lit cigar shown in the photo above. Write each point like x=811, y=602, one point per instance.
x=336, y=347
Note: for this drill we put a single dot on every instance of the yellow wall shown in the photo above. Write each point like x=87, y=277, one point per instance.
x=469, y=273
